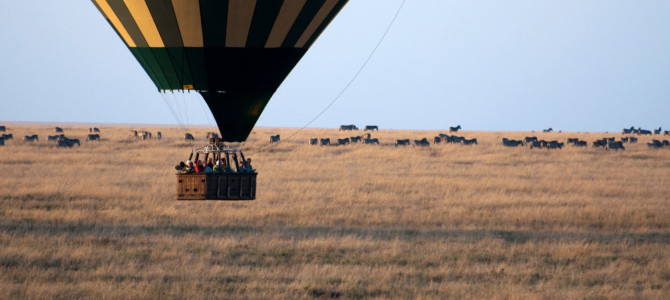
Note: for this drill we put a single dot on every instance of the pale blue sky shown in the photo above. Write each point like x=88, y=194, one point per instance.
x=575, y=65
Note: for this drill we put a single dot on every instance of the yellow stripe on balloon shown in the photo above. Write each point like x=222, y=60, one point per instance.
x=190, y=24
x=316, y=22
x=111, y=16
x=140, y=12
x=285, y=19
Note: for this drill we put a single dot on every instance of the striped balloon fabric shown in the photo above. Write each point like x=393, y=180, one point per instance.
x=236, y=53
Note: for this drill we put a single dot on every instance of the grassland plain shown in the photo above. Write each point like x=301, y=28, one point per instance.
x=357, y=221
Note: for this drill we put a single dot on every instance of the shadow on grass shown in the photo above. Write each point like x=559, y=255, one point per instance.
x=36, y=227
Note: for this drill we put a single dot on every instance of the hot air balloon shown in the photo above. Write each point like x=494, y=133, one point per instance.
x=235, y=53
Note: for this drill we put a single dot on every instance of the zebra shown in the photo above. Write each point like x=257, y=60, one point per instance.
x=31, y=138
x=274, y=139
x=325, y=142
x=404, y=142
x=548, y=130
x=454, y=129
x=189, y=137
x=343, y=141
x=371, y=127
x=313, y=141
x=348, y=127
x=469, y=142
x=93, y=137
x=371, y=141
x=422, y=142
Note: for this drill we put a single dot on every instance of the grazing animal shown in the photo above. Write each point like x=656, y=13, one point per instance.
x=615, y=146
x=145, y=135
x=2, y=142
x=54, y=137
x=8, y=136
x=529, y=139
x=454, y=129
x=632, y=140
x=159, y=135
x=666, y=143
x=372, y=127
x=571, y=141
x=437, y=140
x=422, y=142
x=96, y=129
x=65, y=142
x=343, y=141
x=548, y=130
x=580, y=144
x=514, y=143
x=348, y=127
x=189, y=137
x=325, y=142
x=313, y=141
x=213, y=135
x=657, y=131
x=624, y=140
x=58, y=129
x=600, y=143
x=3, y=128
x=535, y=144
x=628, y=131
x=274, y=139
x=655, y=144
x=644, y=132
x=93, y=137
x=31, y=138
x=371, y=141
x=356, y=139
x=404, y=142
x=554, y=145
x=469, y=142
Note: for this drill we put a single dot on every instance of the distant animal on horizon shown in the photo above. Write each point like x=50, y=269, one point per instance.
x=644, y=131
x=469, y=142
x=580, y=144
x=514, y=143
x=325, y=142
x=422, y=142
x=159, y=135
x=628, y=130
x=371, y=141
x=93, y=137
x=313, y=141
x=529, y=139
x=657, y=131
x=437, y=140
x=133, y=133
x=30, y=138
x=548, y=130
x=667, y=132
x=274, y=139
x=344, y=141
x=348, y=127
x=372, y=127
x=615, y=146
x=93, y=129
x=144, y=135
x=58, y=129
x=404, y=142
x=454, y=129
x=188, y=137
x=355, y=139
x=3, y=128
x=65, y=142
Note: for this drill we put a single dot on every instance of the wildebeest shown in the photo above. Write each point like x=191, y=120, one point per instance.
x=667, y=132
x=580, y=144
x=7, y=136
x=600, y=143
x=453, y=139
x=213, y=135
x=313, y=141
x=344, y=141
x=615, y=146
x=93, y=137
x=159, y=135
x=355, y=139
x=325, y=142
x=529, y=139
x=554, y=145
x=454, y=129
x=274, y=139
x=655, y=144
x=469, y=142
x=348, y=127
x=572, y=140
x=422, y=142
x=628, y=131
x=437, y=140
x=372, y=127
x=65, y=142
x=644, y=131
x=58, y=129
x=404, y=142
x=624, y=139
x=657, y=131
x=371, y=141
x=548, y=130
x=632, y=140
x=3, y=128
x=2, y=142
x=189, y=137
x=54, y=137
x=31, y=138
x=514, y=143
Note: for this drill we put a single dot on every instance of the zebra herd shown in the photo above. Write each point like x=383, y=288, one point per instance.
x=364, y=139
x=641, y=131
x=60, y=139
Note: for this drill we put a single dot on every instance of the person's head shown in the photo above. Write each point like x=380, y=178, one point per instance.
x=189, y=163
x=182, y=164
x=248, y=160
x=209, y=160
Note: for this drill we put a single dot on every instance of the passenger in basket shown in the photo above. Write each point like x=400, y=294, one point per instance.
x=198, y=167
x=241, y=168
x=226, y=167
x=208, y=169
x=210, y=164
x=180, y=167
x=250, y=169
x=189, y=167
x=218, y=167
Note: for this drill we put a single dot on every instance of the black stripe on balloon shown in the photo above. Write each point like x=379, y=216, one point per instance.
x=166, y=21
x=340, y=4
x=214, y=16
x=122, y=12
x=306, y=15
x=264, y=18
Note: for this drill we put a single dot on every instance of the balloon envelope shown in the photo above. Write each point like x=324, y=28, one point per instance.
x=235, y=53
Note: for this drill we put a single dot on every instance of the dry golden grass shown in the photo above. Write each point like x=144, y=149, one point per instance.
x=358, y=221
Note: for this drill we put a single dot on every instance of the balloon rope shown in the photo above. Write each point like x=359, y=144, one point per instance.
x=174, y=114
x=360, y=70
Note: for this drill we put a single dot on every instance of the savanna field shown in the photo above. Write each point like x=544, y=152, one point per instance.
x=101, y=221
